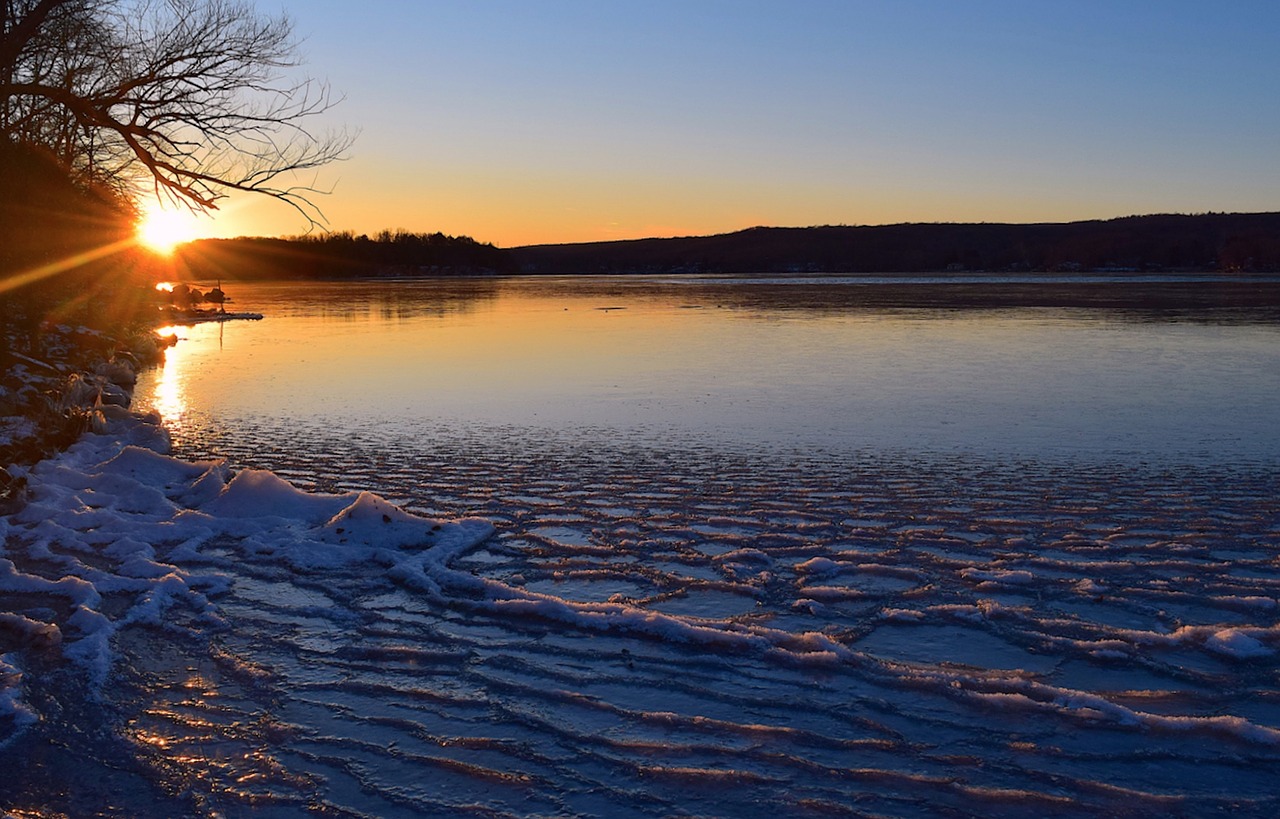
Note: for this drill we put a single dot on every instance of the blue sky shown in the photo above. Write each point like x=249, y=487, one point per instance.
x=526, y=122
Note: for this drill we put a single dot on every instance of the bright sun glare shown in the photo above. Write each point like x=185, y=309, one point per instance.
x=162, y=230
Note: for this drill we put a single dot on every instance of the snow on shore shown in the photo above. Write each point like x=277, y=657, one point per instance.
x=101, y=541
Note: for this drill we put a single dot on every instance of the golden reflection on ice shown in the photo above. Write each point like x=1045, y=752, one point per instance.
x=198, y=683
x=169, y=397
x=152, y=738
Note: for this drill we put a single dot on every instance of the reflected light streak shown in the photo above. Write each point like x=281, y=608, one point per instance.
x=170, y=398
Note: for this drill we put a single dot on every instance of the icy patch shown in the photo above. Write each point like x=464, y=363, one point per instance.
x=11, y=706
x=369, y=520
x=257, y=493
x=998, y=577
x=817, y=566
x=1236, y=643
x=934, y=645
x=716, y=605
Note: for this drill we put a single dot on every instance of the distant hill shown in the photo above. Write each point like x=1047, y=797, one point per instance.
x=1214, y=241
x=1245, y=242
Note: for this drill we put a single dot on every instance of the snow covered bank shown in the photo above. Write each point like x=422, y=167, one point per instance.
x=57, y=387
x=109, y=523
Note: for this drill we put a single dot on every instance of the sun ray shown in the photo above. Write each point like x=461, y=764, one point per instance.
x=62, y=265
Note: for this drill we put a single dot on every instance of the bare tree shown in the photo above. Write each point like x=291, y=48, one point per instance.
x=190, y=97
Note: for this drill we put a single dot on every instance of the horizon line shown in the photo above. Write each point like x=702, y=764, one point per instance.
x=299, y=236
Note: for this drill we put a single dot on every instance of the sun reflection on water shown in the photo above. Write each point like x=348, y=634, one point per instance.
x=169, y=396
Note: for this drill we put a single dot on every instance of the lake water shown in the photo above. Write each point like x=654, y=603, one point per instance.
x=666, y=362
x=758, y=548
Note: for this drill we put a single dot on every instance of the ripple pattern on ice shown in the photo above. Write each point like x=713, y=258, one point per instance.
x=657, y=632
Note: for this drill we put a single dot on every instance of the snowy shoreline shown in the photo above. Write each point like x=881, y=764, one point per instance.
x=108, y=520
x=59, y=388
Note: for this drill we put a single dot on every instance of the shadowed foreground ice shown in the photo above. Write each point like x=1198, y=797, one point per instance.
x=646, y=632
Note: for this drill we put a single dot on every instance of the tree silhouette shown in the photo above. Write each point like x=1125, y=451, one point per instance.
x=187, y=97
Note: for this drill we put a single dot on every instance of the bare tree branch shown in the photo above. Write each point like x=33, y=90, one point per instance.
x=192, y=96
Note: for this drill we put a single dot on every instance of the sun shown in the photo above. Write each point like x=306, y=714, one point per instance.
x=162, y=230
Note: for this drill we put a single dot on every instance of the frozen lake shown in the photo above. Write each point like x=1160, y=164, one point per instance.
x=757, y=548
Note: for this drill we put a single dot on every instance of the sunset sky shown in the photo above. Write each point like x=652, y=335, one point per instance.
x=521, y=122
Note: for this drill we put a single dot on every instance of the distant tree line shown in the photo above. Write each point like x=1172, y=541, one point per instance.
x=341, y=255
x=1205, y=242
x=1245, y=243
